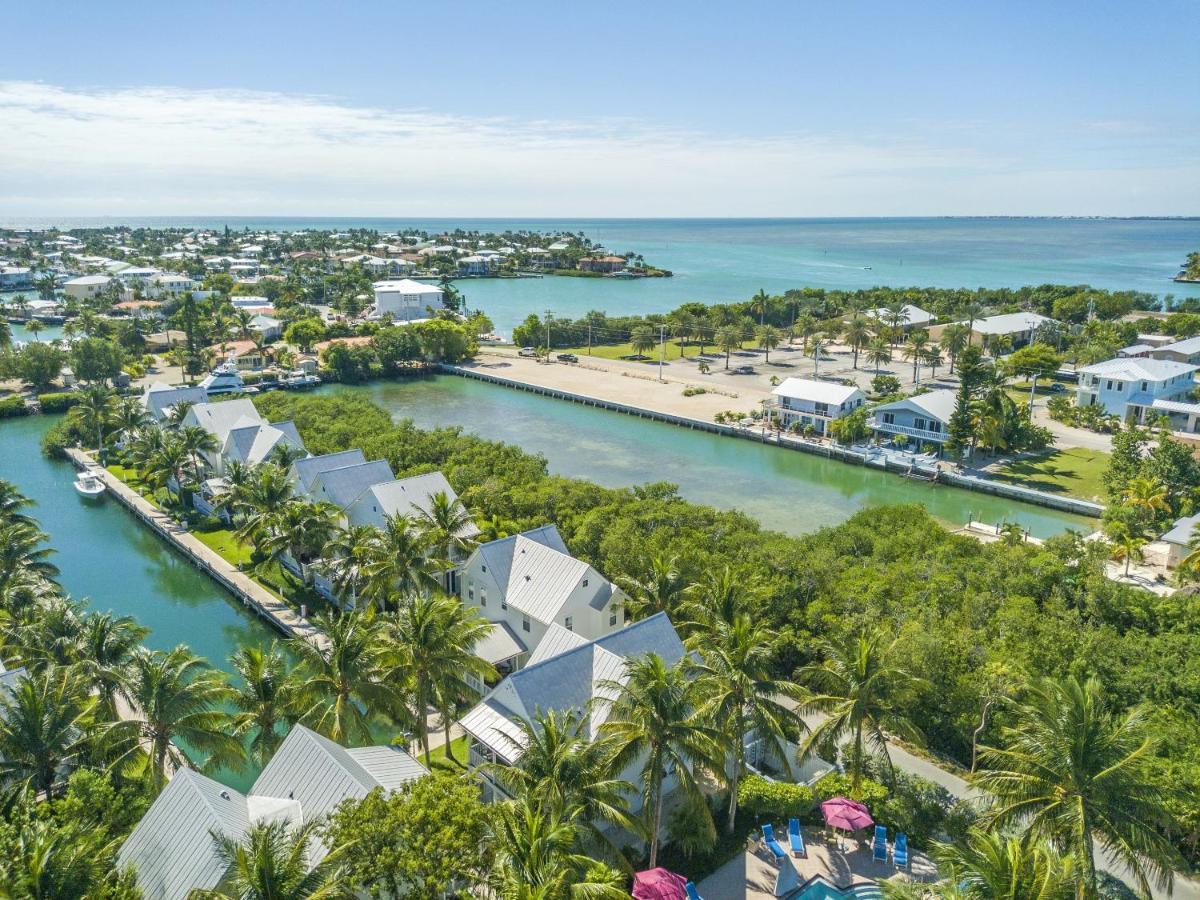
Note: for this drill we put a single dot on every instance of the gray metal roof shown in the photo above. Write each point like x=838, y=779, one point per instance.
x=411, y=496
x=1181, y=532
x=220, y=418
x=500, y=644
x=159, y=397
x=498, y=554
x=253, y=443
x=556, y=640
x=537, y=574
x=343, y=486
x=307, y=470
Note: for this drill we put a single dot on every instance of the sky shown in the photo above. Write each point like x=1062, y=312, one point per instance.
x=620, y=109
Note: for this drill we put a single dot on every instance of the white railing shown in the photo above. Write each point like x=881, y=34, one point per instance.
x=892, y=428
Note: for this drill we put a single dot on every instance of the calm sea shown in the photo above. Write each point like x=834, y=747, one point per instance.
x=729, y=259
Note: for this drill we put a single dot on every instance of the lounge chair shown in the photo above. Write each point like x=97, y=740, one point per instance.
x=692, y=893
x=900, y=851
x=768, y=833
x=796, y=838
x=879, y=845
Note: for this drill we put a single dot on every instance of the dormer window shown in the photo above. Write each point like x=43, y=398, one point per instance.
x=585, y=581
x=568, y=624
x=525, y=623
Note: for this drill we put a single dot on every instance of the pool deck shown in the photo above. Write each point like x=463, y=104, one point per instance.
x=755, y=875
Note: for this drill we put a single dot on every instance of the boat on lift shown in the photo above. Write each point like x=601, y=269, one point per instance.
x=89, y=485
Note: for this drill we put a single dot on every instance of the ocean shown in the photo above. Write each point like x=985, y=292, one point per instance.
x=729, y=259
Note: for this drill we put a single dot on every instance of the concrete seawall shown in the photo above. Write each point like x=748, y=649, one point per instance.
x=830, y=451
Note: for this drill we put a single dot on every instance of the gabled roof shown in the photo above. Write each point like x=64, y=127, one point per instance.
x=915, y=315
x=220, y=418
x=939, y=404
x=540, y=578
x=567, y=681
x=343, y=486
x=500, y=643
x=158, y=398
x=497, y=555
x=406, y=286
x=307, y=470
x=1186, y=347
x=253, y=443
x=1009, y=323
x=556, y=640
x=410, y=496
x=1138, y=369
x=817, y=391
x=1181, y=532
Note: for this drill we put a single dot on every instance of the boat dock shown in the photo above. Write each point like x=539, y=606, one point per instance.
x=252, y=594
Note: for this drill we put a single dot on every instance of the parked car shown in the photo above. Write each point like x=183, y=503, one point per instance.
x=568, y=358
x=1057, y=388
x=526, y=351
x=744, y=370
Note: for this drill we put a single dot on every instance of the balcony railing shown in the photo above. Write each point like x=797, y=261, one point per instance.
x=922, y=433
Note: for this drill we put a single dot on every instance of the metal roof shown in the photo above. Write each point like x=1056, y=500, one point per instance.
x=345, y=485
x=556, y=640
x=1138, y=369
x=1009, y=323
x=220, y=418
x=253, y=443
x=498, y=554
x=500, y=644
x=307, y=470
x=817, y=391
x=1181, y=531
x=410, y=496
x=939, y=404
x=159, y=397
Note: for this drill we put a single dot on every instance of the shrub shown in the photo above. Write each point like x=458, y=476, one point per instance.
x=59, y=402
x=869, y=792
x=251, y=377
x=11, y=407
x=58, y=438
x=774, y=799
x=885, y=384
x=693, y=391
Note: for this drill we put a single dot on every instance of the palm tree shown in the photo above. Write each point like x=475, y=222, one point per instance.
x=12, y=501
x=700, y=331
x=653, y=721
x=1127, y=542
x=446, y=526
x=768, y=338
x=394, y=562
x=107, y=645
x=740, y=696
x=1146, y=493
x=265, y=496
x=197, y=441
x=972, y=310
x=1075, y=774
x=862, y=695
x=129, y=417
x=45, y=723
x=856, y=334
x=177, y=697
x=434, y=639
x=345, y=676
x=271, y=862
x=341, y=560
x=265, y=700
x=729, y=338
x=662, y=590
x=301, y=531
x=818, y=347
x=717, y=599
x=879, y=351
x=914, y=349
x=682, y=327
x=758, y=304
x=956, y=337
x=495, y=527
x=94, y=412
x=895, y=316
x=932, y=357
x=642, y=339
x=33, y=326
x=165, y=462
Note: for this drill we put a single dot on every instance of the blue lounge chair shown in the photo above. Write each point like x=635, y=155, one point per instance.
x=900, y=851
x=768, y=833
x=879, y=845
x=692, y=893
x=796, y=838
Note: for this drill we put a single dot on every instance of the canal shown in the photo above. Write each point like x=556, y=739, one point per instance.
x=785, y=490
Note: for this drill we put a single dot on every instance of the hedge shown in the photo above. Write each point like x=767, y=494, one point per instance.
x=11, y=407
x=774, y=799
x=60, y=402
x=840, y=786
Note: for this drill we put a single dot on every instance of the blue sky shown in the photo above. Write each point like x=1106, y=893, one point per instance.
x=618, y=109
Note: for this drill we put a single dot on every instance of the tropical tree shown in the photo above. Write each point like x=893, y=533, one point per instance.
x=728, y=338
x=129, y=417
x=768, y=338
x=758, y=304
x=1076, y=774
x=932, y=357
x=46, y=721
x=879, y=352
x=856, y=334
x=914, y=349
x=642, y=339
x=197, y=441
x=662, y=589
x=265, y=495
x=1127, y=542
x=300, y=530
x=94, y=412
x=272, y=862
x=653, y=721
x=265, y=700
x=166, y=463
x=955, y=338
x=1147, y=494
x=447, y=528
x=861, y=693
x=22, y=553
x=107, y=646
x=394, y=562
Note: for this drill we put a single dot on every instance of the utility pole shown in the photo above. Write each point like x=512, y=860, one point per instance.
x=589, y=335
x=1032, y=391
x=662, y=349
x=549, y=315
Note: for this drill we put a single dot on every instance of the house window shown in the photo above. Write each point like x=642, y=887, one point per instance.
x=889, y=418
x=1144, y=385
x=585, y=581
x=612, y=617
x=483, y=568
x=1109, y=385
x=503, y=603
x=470, y=593
x=568, y=624
x=1120, y=386
x=482, y=597
x=524, y=623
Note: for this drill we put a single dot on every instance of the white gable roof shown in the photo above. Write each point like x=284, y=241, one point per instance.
x=817, y=391
x=939, y=404
x=1138, y=369
x=915, y=315
x=406, y=286
x=220, y=418
x=1009, y=323
x=159, y=398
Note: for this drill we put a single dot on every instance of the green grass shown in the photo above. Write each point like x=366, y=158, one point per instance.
x=675, y=350
x=1075, y=471
x=226, y=546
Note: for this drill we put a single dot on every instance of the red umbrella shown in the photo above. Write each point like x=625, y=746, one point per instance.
x=659, y=884
x=846, y=814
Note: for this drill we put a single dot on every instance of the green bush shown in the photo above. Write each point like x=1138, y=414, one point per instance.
x=11, y=407
x=59, y=402
x=58, y=438
x=774, y=799
x=869, y=792
x=251, y=377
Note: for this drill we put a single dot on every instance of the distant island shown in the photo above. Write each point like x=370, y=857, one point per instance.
x=1191, y=269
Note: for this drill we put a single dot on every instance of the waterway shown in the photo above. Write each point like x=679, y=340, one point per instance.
x=785, y=490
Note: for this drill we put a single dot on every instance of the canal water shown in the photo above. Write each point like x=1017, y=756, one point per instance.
x=785, y=490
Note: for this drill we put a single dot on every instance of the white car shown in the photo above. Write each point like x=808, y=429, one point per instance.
x=526, y=351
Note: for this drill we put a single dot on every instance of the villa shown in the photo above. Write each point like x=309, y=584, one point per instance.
x=160, y=399
x=805, y=401
x=1130, y=387
x=567, y=673
x=343, y=485
x=602, y=263
x=242, y=434
x=1018, y=327
x=172, y=847
x=529, y=583
x=923, y=417
x=246, y=355
x=405, y=300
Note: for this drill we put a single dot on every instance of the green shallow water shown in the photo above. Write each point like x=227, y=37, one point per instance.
x=784, y=489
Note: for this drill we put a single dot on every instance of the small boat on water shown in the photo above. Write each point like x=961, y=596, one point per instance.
x=89, y=485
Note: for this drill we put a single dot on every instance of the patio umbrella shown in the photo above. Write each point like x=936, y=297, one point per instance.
x=659, y=884
x=844, y=814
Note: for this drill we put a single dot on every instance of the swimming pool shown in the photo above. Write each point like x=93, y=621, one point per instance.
x=820, y=889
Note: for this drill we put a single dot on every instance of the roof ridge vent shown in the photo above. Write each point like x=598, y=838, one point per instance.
x=225, y=795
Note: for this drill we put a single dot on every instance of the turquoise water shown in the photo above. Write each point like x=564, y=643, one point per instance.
x=823, y=890
x=730, y=259
x=785, y=490
x=48, y=333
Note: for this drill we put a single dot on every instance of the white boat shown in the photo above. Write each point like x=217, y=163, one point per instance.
x=89, y=485
x=224, y=379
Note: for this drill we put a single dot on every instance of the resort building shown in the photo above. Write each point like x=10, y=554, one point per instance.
x=160, y=399
x=173, y=849
x=86, y=286
x=1185, y=351
x=1129, y=387
x=567, y=673
x=914, y=316
x=405, y=300
x=526, y=584
x=924, y=418
x=805, y=401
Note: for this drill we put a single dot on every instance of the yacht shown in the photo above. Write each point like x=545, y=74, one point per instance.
x=224, y=379
x=89, y=485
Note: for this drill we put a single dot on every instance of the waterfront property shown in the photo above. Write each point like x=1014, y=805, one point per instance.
x=173, y=847
x=160, y=399
x=1128, y=387
x=86, y=286
x=241, y=433
x=405, y=300
x=805, y=401
x=924, y=418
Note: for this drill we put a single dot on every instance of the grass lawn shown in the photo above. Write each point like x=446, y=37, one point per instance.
x=226, y=545
x=1074, y=471
x=130, y=477
x=675, y=350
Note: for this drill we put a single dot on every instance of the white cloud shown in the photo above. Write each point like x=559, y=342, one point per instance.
x=148, y=151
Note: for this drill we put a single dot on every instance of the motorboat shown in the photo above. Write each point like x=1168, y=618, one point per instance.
x=224, y=379
x=89, y=485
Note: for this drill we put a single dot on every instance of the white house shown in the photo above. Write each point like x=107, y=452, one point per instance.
x=86, y=286
x=304, y=472
x=1129, y=387
x=159, y=398
x=914, y=316
x=242, y=434
x=172, y=848
x=1019, y=327
x=343, y=485
x=923, y=418
x=405, y=300
x=169, y=283
x=1179, y=540
x=269, y=327
x=527, y=583
x=1185, y=351
x=817, y=403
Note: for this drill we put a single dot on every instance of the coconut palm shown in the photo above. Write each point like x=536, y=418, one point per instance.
x=166, y=464
x=956, y=337
x=932, y=357
x=861, y=693
x=661, y=590
x=758, y=305
x=653, y=722
x=740, y=697
x=176, y=698
x=729, y=338
x=340, y=561
x=129, y=417
x=434, y=638
x=1076, y=774
x=700, y=331
x=266, y=494
x=879, y=351
x=395, y=562
x=345, y=675
x=642, y=339
x=914, y=350
x=265, y=700
x=856, y=334
x=1146, y=493
x=972, y=310
x=197, y=442
x=769, y=338
x=300, y=530
x=1127, y=542
x=272, y=861
x=94, y=413
x=22, y=553
x=895, y=316
x=12, y=502
x=107, y=645
x=717, y=599
x=447, y=528
x=46, y=720
x=495, y=527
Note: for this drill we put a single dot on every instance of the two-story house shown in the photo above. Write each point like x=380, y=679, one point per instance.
x=923, y=418
x=241, y=432
x=1129, y=387
x=528, y=582
x=817, y=403
x=1185, y=351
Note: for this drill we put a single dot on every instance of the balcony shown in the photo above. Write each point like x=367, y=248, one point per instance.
x=921, y=434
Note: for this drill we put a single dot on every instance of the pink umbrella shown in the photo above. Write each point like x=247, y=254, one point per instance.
x=846, y=814
x=659, y=884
